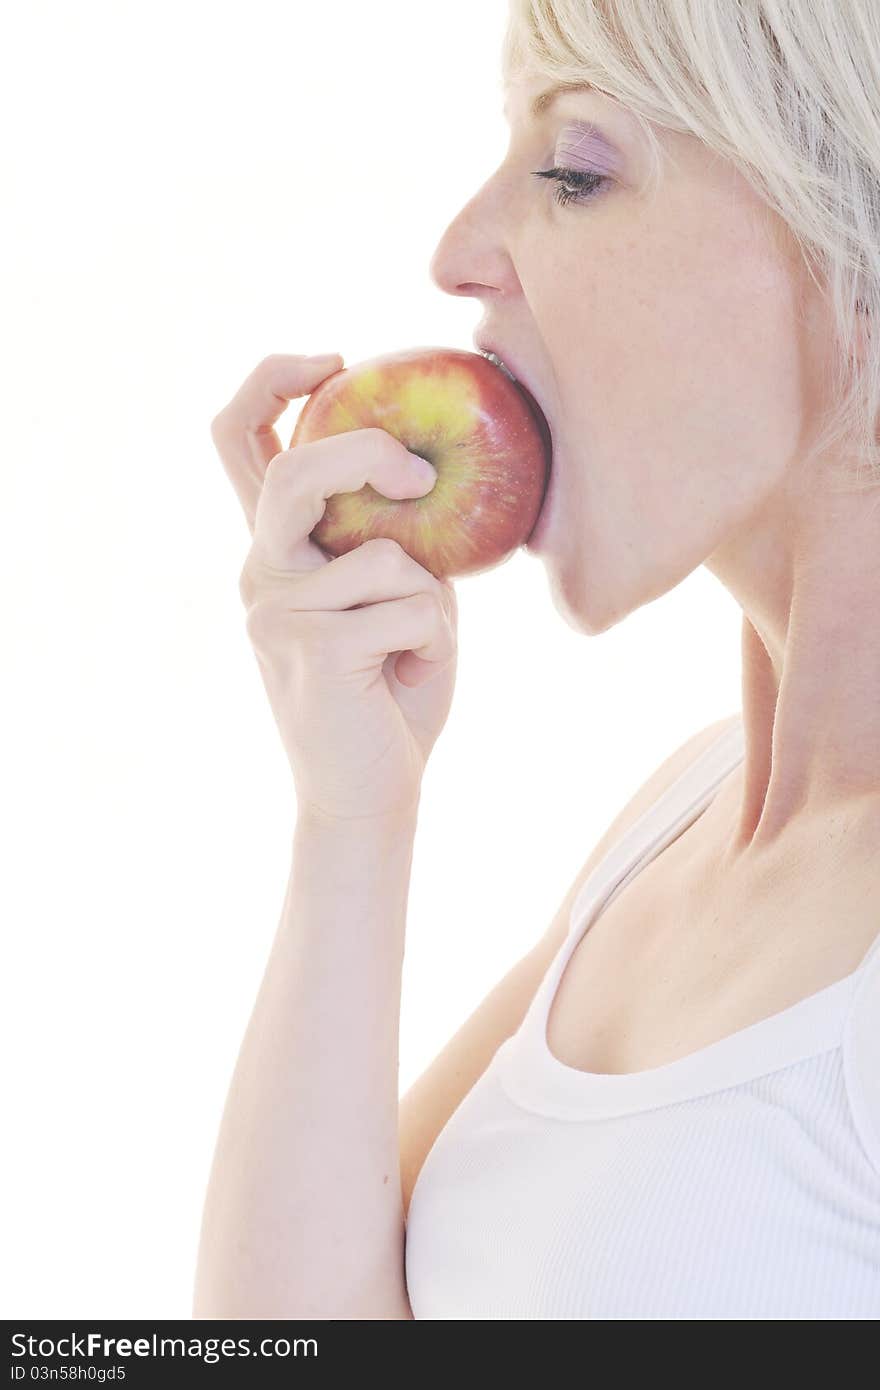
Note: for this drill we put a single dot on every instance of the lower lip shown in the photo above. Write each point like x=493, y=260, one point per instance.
x=540, y=528
x=539, y=531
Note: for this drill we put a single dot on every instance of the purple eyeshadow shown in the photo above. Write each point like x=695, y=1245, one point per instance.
x=582, y=146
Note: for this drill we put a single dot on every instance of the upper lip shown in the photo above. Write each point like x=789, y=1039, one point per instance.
x=484, y=344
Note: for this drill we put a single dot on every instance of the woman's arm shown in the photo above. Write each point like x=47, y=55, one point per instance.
x=303, y=1216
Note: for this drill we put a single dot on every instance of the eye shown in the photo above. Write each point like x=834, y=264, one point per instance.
x=574, y=185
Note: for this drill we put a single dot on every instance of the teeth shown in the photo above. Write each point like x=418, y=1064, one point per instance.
x=493, y=357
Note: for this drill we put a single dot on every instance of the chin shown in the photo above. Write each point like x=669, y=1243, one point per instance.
x=580, y=573
x=578, y=597
x=568, y=595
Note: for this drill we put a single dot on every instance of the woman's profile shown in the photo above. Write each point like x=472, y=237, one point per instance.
x=670, y=1107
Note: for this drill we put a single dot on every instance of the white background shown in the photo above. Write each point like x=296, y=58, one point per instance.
x=187, y=188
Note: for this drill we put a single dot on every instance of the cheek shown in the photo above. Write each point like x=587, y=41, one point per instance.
x=681, y=353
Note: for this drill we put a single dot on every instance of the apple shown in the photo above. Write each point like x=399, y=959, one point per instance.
x=485, y=435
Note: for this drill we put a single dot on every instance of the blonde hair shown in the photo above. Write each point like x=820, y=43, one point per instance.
x=789, y=91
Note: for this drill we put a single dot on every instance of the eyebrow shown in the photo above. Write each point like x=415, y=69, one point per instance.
x=546, y=99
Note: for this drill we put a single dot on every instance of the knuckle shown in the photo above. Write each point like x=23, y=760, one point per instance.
x=292, y=465
x=248, y=581
x=258, y=621
x=247, y=587
x=269, y=613
x=389, y=554
x=219, y=426
x=427, y=605
x=276, y=461
x=257, y=581
x=382, y=439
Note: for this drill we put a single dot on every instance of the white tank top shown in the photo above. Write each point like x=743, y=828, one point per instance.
x=740, y=1181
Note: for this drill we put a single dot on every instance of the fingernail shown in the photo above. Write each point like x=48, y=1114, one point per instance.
x=324, y=356
x=425, y=469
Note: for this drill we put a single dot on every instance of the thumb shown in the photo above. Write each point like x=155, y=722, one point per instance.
x=412, y=670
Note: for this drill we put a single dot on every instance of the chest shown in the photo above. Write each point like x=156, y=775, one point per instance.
x=681, y=957
x=732, y=1205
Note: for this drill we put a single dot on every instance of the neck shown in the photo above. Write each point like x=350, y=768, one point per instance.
x=807, y=577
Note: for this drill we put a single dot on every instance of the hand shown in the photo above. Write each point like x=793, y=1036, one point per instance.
x=358, y=654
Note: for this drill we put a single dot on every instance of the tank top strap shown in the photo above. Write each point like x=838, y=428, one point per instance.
x=663, y=821
x=872, y=952
x=861, y=1052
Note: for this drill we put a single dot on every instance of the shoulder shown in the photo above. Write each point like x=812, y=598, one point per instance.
x=670, y=769
x=658, y=781
x=661, y=778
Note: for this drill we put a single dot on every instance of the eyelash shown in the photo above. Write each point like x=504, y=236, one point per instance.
x=575, y=185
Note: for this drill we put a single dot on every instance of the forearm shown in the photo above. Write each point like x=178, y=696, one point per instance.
x=303, y=1214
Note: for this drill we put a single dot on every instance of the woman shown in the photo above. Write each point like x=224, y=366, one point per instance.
x=677, y=1112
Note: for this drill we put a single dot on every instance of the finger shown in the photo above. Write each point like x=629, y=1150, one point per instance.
x=299, y=481
x=412, y=671
x=243, y=432
x=375, y=572
x=415, y=624
x=451, y=599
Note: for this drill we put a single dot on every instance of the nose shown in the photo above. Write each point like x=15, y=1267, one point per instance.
x=470, y=258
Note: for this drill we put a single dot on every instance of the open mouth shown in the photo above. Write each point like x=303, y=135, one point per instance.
x=493, y=357
x=537, y=410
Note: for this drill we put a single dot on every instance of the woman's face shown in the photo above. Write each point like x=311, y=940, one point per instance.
x=666, y=333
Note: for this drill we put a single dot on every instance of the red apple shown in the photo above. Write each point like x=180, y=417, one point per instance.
x=485, y=435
